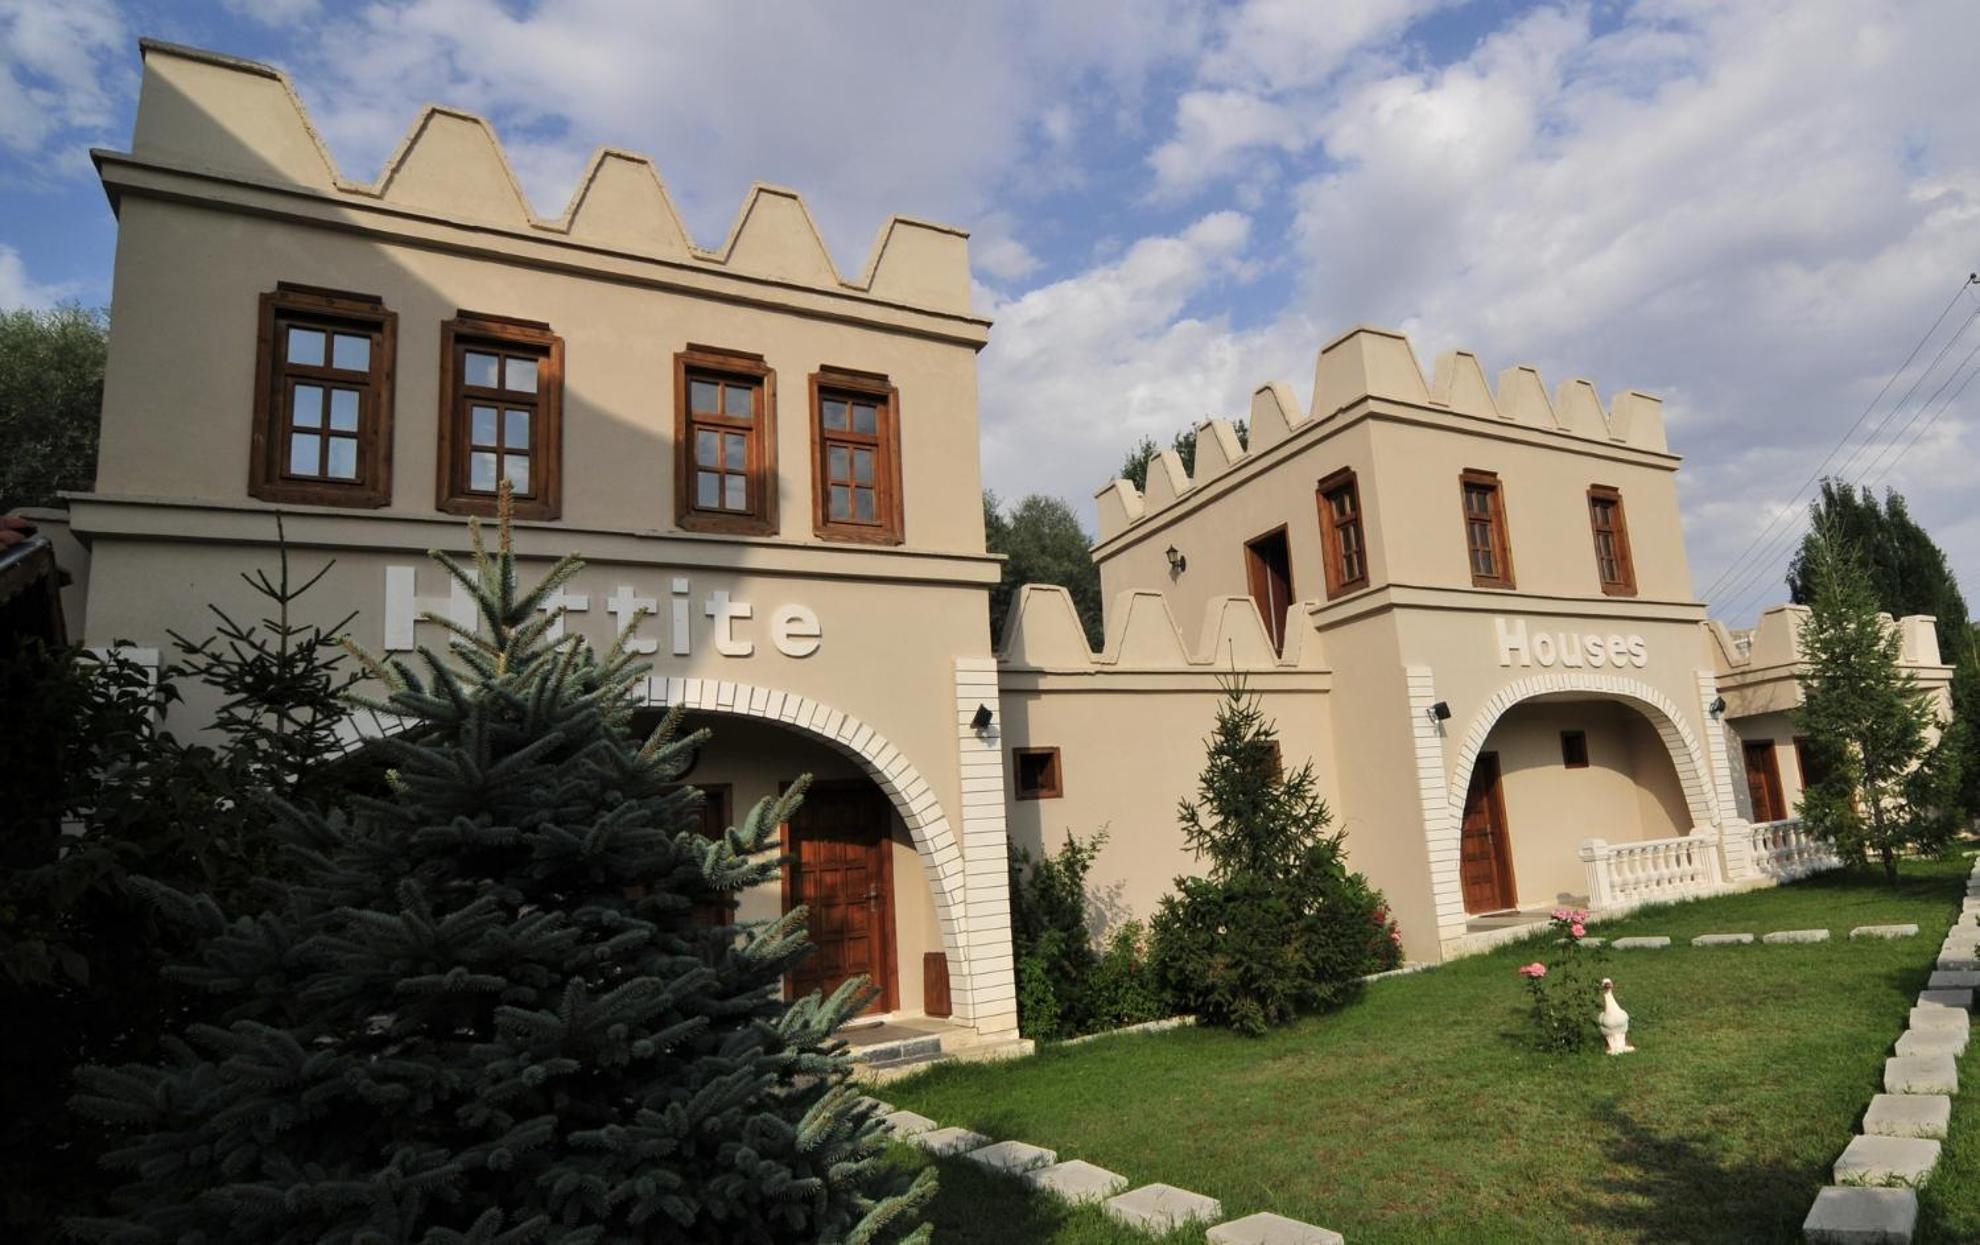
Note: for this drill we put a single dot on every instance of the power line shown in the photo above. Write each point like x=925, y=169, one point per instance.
x=1775, y=546
x=1971, y=279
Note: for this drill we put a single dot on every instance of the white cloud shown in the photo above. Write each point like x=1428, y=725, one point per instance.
x=19, y=290
x=274, y=12
x=56, y=70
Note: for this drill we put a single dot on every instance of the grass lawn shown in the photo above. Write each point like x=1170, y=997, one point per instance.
x=1418, y=1114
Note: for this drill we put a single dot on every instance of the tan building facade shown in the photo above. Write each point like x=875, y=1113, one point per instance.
x=1467, y=605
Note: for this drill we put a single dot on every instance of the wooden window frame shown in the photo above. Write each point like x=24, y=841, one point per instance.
x=501, y=334
x=1625, y=586
x=328, y=310
x=1255, y=569
x=1051, y=791
x=885, y=443
x=1339, y=583
x=1574, y=749
x=761, y=469
x=1501, y=533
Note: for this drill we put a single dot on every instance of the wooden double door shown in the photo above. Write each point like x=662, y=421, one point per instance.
x=839, y=865
x=1485, y=844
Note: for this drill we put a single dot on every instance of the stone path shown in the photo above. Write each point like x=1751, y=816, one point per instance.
x=1878, y=1175
x=1155, y=1208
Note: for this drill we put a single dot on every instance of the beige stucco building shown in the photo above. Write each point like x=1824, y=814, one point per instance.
x=1469, y=606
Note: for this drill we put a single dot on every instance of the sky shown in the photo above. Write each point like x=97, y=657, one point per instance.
x=1754, y=209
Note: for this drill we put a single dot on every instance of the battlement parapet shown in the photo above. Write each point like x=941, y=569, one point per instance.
x=1773, y=645
x=221, y=115
x=1379, y=363
x=1042, y=631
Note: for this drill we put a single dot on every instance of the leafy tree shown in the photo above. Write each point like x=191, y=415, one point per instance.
x=51, y=393
x=1042, y=543
x=98, y=794
x=485, y=1009
x=1909, y=574
x=1878, y=785
x=1281, y=924
x=1134, y=467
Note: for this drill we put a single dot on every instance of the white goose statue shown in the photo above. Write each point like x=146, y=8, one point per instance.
x=1614, y=1021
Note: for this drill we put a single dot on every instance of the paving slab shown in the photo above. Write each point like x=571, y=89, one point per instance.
x=1796, y=935
x=1012, y=1157
x=879, y=1107
x=1932, y=1042
x=1161, y=1207
x=1266, y=1228
x=949, y=1140
x=1921, y=1074
x=1958, y=1000
x=1857, y=1216
x=1954, y=979
x=1940, y=1018
x=1884, y=931
x=1076, y=1180
x=906, y=1124
x=1641, y=944
x=1908, y=1115
x=1593, y=941
x=1963, y=963
x=1901, y=1161
x=1721, y=940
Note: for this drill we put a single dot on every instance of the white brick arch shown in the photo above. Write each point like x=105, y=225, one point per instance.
x=1687, y=754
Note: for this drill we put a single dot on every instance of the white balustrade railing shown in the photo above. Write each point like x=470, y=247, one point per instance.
x=1622, y=875
x=1784, y=851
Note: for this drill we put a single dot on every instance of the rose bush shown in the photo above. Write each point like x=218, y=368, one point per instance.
x=1565, y=993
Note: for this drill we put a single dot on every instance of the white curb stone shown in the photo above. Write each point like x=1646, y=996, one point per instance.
x=1958, y=1000
x=906, y=1124
x=1884, y=931
x=1633, y=944
x=1903, y=1161
x=1160, y=1207
x=1941, y=1019
x=1076, y=1180
x=949, y=1140
x=1921, y=1074
x=1954, y=979
x=1958, y=963
x=879, y=1107
x=1861, y=1217
x=1932, y=1042
x=1796, y=935
x=1266, y=1228
x=1908, y=1115
x=1012, y=1157
x=1721, y=940
x=1590, y=941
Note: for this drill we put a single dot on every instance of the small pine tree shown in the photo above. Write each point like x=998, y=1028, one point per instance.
x=1867, y=722
x=484, y=1009
x=1281, y=924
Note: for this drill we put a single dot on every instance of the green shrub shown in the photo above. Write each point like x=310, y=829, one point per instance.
x=1123, y=989
x=1281, y=924
x=1050, y=942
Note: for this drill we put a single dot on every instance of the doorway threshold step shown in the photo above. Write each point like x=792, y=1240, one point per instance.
x=887, y=1053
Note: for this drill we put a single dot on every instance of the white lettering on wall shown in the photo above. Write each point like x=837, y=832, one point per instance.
x=626, y=609
x=794, y=629
x=1571, y=650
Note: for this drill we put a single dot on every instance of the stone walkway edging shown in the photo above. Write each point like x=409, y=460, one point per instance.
x=1186, y=1021
x=1878, y=1175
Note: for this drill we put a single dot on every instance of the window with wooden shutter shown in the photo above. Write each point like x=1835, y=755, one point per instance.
x=1343, y=542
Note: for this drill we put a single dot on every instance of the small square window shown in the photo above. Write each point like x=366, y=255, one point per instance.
x=1037, y=773
x=1574, y=749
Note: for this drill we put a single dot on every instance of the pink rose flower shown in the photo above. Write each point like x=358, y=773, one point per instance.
x=1578, y=929
x=1533, y=971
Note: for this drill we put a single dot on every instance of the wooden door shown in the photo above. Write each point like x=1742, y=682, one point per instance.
x=1485, y=848
x=1268, y=572
x=1763, y=781
x=840, y=868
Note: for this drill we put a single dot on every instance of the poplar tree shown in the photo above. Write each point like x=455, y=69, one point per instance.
x=484, y=1008
x=1880, y=785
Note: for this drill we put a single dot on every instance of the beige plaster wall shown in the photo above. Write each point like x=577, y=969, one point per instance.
x=1127, y=758
x=756, y=761
x=179, y=387
x=1550, y=809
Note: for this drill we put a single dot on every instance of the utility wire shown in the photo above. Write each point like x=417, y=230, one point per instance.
x=1971, y=279
x=1796, y=516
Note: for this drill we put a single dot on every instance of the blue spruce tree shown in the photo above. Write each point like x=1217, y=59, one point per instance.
x=485, y=1008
